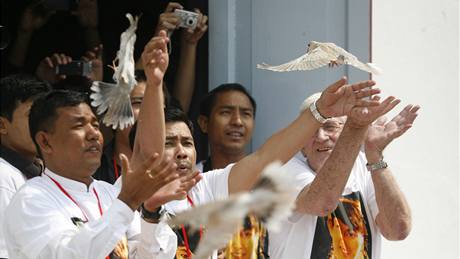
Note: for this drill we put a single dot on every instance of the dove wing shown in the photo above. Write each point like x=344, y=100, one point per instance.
x=352, y=60
x=313, y=59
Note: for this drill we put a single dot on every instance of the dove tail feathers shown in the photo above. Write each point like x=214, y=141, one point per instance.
x=116, y=101
x=374, y=69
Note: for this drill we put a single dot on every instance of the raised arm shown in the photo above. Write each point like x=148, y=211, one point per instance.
x=394, y=217
x=150, y=135
x=184, y=84
x=337, y=100
x=322, y=195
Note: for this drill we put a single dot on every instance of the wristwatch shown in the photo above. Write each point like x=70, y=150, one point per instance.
x=152, y=216
x=314, y=111
x=379, y=165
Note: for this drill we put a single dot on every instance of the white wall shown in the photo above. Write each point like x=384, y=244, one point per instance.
x=417, y=44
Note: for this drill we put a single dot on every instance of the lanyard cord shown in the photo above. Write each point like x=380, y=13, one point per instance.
x=70, y=197
x=184, y=232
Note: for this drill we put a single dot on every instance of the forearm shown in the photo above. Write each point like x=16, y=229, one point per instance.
x=184, y=84
x=394, y=217
x=281, y=146
x=150, y=135
x=18, y=52
x=322, y=195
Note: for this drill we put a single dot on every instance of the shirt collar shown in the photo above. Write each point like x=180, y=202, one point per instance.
x=27, y=167
x=66, y=183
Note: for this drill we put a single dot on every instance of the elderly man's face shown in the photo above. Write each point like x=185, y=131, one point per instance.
x=320, y=146
x=180, y=146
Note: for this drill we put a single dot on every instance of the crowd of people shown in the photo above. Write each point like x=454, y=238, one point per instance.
x=72, y=188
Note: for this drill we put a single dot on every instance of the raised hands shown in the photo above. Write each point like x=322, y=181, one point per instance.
x=339, y=99
x=193, y=36
x=46, y=69
x=95, y=57
x=382, y=132
x=175, y=190
x=155, y=58
x=168, y=20
x=364, y=116
x=138, y=184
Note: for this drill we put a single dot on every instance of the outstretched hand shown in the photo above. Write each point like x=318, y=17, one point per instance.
x=46, y=69
x=175, y=190
x=364, y=116
x=382, y=133
x=339, y=98
x=138, y=184
x=155, y=58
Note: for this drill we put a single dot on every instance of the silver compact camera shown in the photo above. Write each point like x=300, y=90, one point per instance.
x=187, y=19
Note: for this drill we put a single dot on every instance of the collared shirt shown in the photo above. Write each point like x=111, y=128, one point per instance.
x=43, y=222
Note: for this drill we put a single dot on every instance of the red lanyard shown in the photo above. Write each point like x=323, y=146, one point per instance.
x=115, y=168
x=184, y=233
x=74, y=201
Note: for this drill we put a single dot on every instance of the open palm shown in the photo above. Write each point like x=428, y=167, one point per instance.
x=381, y=133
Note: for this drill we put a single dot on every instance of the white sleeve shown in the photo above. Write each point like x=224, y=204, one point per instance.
x=36, y=228
x=5, y=197
x=156, y=241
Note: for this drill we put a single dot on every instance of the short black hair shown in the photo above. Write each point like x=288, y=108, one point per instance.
x=19, y=88
x=76, y=83
x=139, y=74
x=172, y=114
x=43, y=113
x=208, y=102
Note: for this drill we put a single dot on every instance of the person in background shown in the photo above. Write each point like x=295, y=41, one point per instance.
x=18, y=156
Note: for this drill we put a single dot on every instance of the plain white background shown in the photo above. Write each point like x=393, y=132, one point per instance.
x=417, y=45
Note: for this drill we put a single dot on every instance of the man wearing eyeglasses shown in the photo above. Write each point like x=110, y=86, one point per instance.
x=347, y=197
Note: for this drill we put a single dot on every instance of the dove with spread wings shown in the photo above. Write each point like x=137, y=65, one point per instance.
x=272, y=200
x=115, y=98
x=320, y=54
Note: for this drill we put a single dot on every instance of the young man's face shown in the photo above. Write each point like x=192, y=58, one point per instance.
x=231, y=122
x=179, y=145
x=320, y=146
x=75, y=141
x=15, y=133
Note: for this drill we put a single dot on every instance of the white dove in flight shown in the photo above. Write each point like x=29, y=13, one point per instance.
x=320, y=54
x=272, y=200
x=115, y=98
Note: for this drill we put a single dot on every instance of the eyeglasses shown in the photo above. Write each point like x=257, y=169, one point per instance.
x=332, y=126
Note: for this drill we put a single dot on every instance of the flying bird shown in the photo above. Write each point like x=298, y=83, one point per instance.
x=115, y=98
x=272, y=200
x=320, y=54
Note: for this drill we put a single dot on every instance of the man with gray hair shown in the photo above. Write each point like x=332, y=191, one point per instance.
x=347, y=197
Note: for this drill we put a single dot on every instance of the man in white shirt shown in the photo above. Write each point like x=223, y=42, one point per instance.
x=18, y=157
x=344, y=206
x=65, y=213
x=337, y=100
